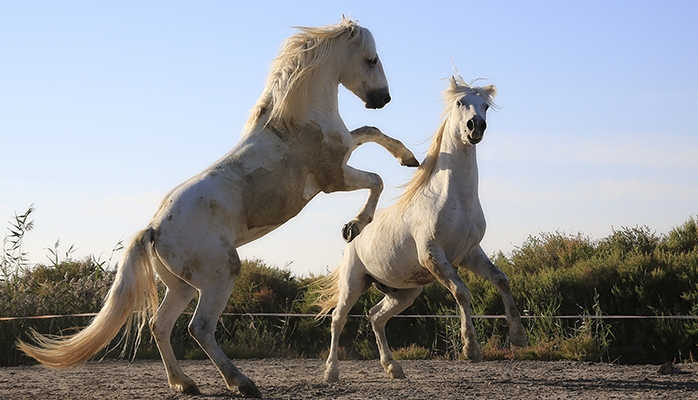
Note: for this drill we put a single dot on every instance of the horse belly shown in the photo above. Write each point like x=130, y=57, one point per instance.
x=394, y=264
x=407, y=276
x=272, y=197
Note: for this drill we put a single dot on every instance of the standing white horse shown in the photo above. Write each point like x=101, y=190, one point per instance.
x=436, y=226
x=294, y=146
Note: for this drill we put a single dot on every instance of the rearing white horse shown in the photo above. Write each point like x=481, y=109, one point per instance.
x=293, y=146
x=436, y=226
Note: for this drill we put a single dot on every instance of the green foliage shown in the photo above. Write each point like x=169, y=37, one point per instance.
x=412, y=352
x=633, y=271
x=13, y=260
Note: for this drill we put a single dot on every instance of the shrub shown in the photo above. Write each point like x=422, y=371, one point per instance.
x=633, y=271
x=412, y=352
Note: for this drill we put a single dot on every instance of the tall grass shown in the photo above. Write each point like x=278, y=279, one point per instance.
x=633, y=271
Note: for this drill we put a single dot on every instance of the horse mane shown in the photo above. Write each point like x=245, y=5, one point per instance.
x=455, y=90
x=285, y=95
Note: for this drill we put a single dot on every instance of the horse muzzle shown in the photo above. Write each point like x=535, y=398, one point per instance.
x=377, y=98
x=476, y=130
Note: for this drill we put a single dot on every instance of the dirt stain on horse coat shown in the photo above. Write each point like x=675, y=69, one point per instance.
x=277, y=192
x=421, y=277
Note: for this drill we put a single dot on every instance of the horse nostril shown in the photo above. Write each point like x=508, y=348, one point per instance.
x=470, y=124
x=387, y=99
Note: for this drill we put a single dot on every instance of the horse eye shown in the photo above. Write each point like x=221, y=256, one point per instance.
x=372, y=62
x=459, y=103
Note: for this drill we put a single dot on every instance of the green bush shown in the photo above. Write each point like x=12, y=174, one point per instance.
x=633, y=271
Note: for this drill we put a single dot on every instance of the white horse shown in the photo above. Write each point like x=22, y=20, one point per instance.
x=293, y=146
x=436, y=226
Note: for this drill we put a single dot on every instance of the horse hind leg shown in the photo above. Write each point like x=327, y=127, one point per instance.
x=350, y=287
x=177, y=297
x=393, y=303
x=212, y=301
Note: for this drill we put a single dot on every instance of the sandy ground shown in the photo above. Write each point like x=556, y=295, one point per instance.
x=302, y=379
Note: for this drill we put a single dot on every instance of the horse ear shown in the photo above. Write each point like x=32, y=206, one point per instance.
x=453, y=82
x=491, y=90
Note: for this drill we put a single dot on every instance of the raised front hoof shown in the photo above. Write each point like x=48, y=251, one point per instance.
x=249, y=389
x=350, y=231
x=410, y=162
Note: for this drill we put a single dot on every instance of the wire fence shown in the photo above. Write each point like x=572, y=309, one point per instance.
x=292, y=315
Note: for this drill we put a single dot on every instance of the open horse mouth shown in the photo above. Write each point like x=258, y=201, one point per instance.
x=377, y=98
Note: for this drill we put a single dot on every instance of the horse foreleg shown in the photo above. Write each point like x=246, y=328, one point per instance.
x=480, y=264
x=392, y=304
x=367, y=134
x=355, y=179
x=436, y=262
x=177, y=297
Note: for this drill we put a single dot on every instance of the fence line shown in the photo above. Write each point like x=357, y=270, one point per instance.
x=284, y=315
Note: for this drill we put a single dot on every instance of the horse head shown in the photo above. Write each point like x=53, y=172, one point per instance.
x=361, y=71
x=470, y=105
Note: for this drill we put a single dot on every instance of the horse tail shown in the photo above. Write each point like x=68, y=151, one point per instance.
x=132, y=300
x=327, y=291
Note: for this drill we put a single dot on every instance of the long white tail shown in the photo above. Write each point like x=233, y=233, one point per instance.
x=132, y=300
x=327, y=290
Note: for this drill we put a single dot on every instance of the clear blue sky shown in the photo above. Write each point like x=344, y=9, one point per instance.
x=105, y=106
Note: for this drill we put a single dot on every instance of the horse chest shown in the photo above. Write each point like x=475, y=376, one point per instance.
x=278, y=187
x=323, y=152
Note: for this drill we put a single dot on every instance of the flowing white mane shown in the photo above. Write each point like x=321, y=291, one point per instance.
x=285, y=96
x=450, y=96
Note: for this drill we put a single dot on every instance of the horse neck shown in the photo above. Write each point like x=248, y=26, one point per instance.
x=456, y=172
x=315, y=101
x=318, y=97
x=322, y=98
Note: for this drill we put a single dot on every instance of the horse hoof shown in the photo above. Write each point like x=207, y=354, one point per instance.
x=189, y=389
x=249, y=389
x=350, y=231
x=411, y=162
x=475, y=356
x=395, y=372
x=331, y=376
